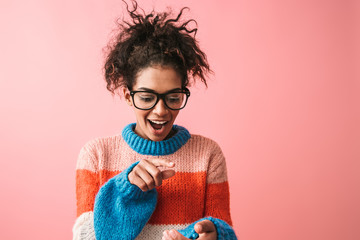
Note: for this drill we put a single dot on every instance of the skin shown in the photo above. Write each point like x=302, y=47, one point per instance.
x=206, y=230
x=146, y=174
x=160, y=80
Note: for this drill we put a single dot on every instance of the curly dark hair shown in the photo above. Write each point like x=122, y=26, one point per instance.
x=149, y=40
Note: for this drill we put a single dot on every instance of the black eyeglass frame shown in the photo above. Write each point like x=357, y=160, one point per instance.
x=162, y=96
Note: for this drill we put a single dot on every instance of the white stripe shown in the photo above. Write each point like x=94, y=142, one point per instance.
x=84, y=227
x=156, y=231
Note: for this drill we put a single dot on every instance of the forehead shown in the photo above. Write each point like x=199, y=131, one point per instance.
x=158, y=78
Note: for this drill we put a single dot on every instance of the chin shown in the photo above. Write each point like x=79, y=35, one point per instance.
x=158, y=138
x=159, y=134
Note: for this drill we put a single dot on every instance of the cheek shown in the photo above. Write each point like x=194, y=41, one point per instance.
x=174, y=114
x=140, y=114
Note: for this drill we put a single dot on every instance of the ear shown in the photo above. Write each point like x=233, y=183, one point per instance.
x=127, y=96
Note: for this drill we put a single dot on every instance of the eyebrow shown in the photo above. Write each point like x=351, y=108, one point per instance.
x=151, y=90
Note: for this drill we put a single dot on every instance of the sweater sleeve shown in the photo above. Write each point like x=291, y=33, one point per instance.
x=217, y=199
x=87, y=185
x=109, y=211
x=122, y=209
x=217, y=195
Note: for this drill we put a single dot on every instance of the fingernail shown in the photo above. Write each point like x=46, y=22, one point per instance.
x=171, y=163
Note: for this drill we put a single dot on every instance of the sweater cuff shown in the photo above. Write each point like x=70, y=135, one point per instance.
x=224, y=230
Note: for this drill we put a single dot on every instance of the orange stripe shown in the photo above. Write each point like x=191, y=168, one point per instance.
x=87, y=186
x=218, y=201
x=180, y=199
x=105, y=175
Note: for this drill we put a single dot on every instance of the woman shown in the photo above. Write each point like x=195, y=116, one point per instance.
x=155, y=180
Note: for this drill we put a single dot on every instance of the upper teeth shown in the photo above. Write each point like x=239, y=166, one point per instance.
x=158, y=122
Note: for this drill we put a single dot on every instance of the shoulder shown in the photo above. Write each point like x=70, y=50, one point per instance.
x=101, y=143
x=209, y=148
x=203, y=146
x=96, y=148
x=204, y=142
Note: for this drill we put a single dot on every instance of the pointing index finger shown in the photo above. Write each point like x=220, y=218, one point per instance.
x=158, y=162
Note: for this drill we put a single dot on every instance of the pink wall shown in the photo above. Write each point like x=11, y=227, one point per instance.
x=283, y=105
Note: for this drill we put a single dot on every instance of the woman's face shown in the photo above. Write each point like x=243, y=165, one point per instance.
x=155, y=124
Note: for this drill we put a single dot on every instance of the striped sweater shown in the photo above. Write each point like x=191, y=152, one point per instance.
x=199, y=188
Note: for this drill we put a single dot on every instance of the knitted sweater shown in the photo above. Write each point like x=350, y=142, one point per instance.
x=110, y=207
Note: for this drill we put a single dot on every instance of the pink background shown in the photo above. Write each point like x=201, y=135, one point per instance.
x=283, y=105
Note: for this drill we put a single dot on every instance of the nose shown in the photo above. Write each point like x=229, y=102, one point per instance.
x=160, y=109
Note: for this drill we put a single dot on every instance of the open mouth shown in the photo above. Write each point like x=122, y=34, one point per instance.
x=157, y=125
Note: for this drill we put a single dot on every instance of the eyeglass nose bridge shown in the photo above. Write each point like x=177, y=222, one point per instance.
x=158, y=97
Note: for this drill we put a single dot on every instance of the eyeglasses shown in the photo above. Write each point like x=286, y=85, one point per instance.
x=174, y=100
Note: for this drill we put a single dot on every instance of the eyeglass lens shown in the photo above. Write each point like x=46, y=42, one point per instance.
x=147, y=100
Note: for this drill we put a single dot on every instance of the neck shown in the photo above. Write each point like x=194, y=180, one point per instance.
x=177, y=137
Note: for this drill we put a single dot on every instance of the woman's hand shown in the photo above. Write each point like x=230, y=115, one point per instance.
x=146, y=174
x=206, y=230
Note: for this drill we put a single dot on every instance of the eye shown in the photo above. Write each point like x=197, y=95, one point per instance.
x=174, y=98
x=146, y=99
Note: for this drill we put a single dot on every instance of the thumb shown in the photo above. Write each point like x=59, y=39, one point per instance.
x=204, y=227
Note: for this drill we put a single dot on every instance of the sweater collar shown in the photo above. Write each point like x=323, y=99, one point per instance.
x=149, y=147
